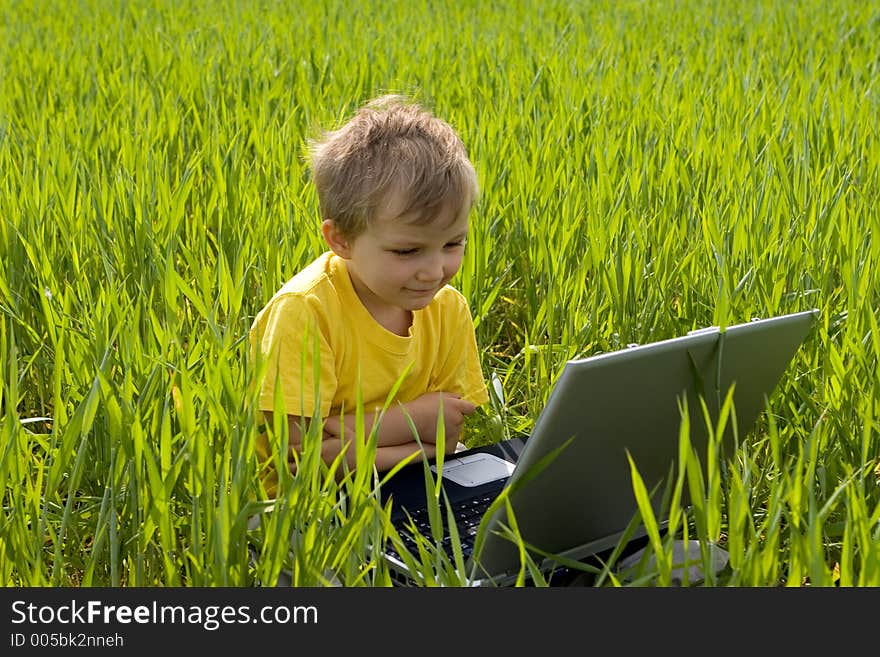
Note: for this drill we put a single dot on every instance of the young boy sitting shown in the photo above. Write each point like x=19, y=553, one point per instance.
x=395, y=188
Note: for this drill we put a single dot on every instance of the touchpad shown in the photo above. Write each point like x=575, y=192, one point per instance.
x=476, y=469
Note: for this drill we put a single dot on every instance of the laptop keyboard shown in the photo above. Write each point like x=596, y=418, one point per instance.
x=468, y=514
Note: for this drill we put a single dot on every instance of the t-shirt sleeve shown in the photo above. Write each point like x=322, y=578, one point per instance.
x=459, y=361
x=292, y=340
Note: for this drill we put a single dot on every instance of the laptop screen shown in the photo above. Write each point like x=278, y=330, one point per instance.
x=631, y=401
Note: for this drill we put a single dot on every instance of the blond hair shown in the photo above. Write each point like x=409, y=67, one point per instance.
x=391, y=145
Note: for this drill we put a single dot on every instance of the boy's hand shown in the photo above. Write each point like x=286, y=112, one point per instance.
x=333, y=428
x=395, y=429
x=426, y=409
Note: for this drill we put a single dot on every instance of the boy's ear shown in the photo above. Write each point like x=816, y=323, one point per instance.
x=338, y=243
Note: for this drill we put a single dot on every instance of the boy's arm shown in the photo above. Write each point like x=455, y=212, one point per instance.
x=386, y=456
x=394, y=426
x=394, y=440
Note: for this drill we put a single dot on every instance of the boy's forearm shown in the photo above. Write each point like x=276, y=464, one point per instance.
x=386, y=457
x=394, y=427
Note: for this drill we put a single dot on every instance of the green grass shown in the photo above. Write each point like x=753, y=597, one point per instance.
x=647, y=168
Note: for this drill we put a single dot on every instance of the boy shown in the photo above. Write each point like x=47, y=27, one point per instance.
x=395, y=188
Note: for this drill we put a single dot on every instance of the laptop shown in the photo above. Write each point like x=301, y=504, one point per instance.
x=569, y=483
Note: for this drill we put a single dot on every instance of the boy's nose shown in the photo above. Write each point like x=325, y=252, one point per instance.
x=431, y=269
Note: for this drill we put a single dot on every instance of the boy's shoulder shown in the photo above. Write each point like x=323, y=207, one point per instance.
x=307, y=280
x=450, y=300
x=450, y=295
x=315, y=286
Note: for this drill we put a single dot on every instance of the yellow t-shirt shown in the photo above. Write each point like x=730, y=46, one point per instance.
x=321, y=303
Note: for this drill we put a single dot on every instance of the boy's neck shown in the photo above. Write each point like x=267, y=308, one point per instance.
x=398, y=324
x=394, y=319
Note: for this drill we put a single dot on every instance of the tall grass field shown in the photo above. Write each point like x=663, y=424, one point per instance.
x=647, y=168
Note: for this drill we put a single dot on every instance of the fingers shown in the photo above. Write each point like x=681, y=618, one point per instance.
x=463, y=406
x=332, y=427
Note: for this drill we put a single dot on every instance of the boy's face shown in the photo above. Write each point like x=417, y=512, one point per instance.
x=398, y=266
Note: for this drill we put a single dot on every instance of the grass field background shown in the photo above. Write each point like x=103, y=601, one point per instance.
x=646, y=167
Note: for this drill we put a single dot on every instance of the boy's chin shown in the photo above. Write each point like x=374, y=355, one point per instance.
x=418, y=301
x=418, y=304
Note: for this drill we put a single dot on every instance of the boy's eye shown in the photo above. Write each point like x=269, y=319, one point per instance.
x=403, y=252
x=453, y=245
